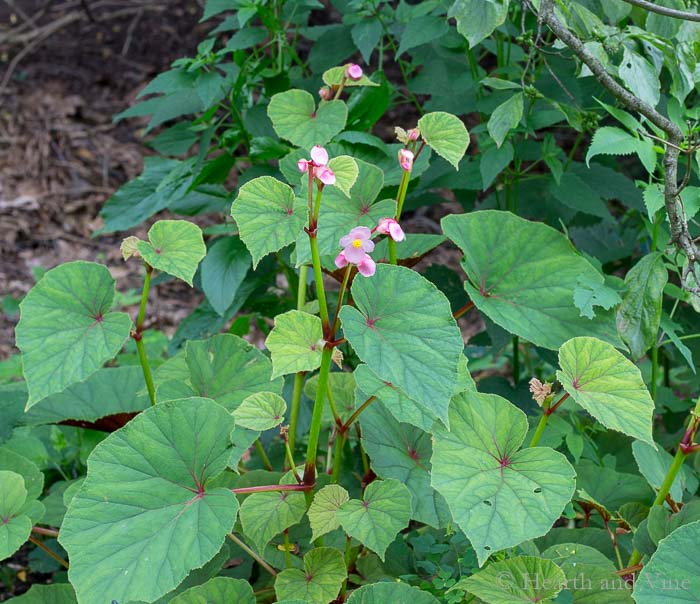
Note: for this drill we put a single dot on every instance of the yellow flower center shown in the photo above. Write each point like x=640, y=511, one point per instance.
x=357, y=243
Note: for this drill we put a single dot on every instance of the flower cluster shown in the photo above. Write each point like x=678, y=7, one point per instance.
x=540, y=391
x=318, y=164
x=357, y=245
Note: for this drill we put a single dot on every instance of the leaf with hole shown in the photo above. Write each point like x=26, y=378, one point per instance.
x=67, y=330
x=499, y=494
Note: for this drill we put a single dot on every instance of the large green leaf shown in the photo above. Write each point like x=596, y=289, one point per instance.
x=223, y=270
x=319, y=582
x=476, y=19
x=639, y=315
x=145, y=516
x=295, y=343
x=295, y=118
x=654, y=464
x=338, y=214
x=505, y=117
x=31, y=474
x=404, y=330
x=390, y=593
x=375, y=521
x=108, y=391
x=66, y=331
x=609, y=140
x=607, y=385
x=224, y=368
x=261, y=411
x=498, y=494
x=218, y=589
x=523, y=276
x=59, y=593
x=403, y=452
x=267, y=216
x=175, y=247
x=323, y=511
x=672, y=575
x=446, y=135
x=520, y=580
x=15, y=526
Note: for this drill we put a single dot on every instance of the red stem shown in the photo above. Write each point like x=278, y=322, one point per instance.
x=273, y=487
x=554, y=407
x=464, y=310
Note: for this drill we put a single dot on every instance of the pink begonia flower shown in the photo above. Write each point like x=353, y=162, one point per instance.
x=324, y=92
x=353, y=71
x=325, y=175
x=357, y=243
x=341, y=261
x=406, y=159
x=367, y=266
x=319, y=156
x=303, y=165
x=389, y=226
x=413, y=134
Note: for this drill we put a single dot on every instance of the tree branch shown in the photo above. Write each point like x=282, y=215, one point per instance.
x=665, y=11
x=672, y=147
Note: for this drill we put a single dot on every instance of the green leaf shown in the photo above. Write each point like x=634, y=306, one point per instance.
x=671, y=574
x=654, y=464
x=639, y=315
x=607, y=385
x=108, y=391
x=295, y=118
x=346, y=170
x=403, y=452
x=175, y=247
x=404, y=330
x=492, y=162
x=319, y=582
x=295, y=343
x=223, y=270
x=499, y=495
x=575, y=193
x=476, y=19
x=267, y=216
x=640, y=77
x=59, y=593
x=218, y=589
x=266, y=514
x=366, y=36
x=261, y=411
x=505, y=117
x=15, y=526
x=339, y=214
x=445, y=134
x=224, y=368
x=323, y=510
x=591, y=292
x=67, y=331
x=334, y=77
x=31, y=474
x=609, y=140
x=376, y=520
x=146, y=500
x=527, y=288
x=389, y=592
x=342, y=387
x=524, y=579
x=422, y=30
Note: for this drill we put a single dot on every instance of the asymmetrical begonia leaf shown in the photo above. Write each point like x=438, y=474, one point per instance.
x=607, y=385
x=15, y=526
x=523, y=275
x=267, y=215
x=295, y=343
x=67, y=331
x=375, y=521
x=499, y=495
x=323, y=512
x=260, y=411
x=295, y=118
x=445, y=134
x=175, y=247
x=319, y=582
x=404, y=330
x=145, y=516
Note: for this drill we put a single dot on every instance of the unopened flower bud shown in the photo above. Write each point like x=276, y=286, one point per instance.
x=406, y=159
x=353, y=71
x=325, y=93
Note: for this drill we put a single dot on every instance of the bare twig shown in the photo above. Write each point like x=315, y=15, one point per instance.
x=665, y=11
x=672, y=145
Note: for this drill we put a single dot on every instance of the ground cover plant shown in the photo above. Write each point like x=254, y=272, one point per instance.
x=362, y=452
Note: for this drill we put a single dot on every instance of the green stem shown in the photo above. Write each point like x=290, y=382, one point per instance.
x=315, y=428
x=138, y=335
x=301, y=290
x=341, y=295
x=299, y=377
x=240, y=543
x=400, y=196
x=287, y=550
x=540, y=429
x=334, y=409
x=263, y=455
x=516, y=360
x=48, y=551
x=318, y=277
x=356, y=414
x=340, y=440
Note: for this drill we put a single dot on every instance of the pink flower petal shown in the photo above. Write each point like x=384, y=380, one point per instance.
x=353, y=71
x=319, y=155
x=354, y=254
x=346, y=240
x=367, y=267
x=361, y=232
x=396, y=231
x=303, y=165
x=406, y=159
x=341, y=261
x=368, y=245
x=325, y=175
